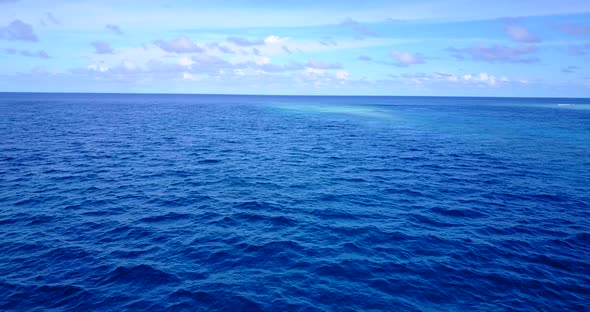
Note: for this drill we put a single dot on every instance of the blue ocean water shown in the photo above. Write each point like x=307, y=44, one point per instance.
x=265, y=203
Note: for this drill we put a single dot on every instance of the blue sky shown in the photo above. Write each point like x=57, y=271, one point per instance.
x=445, y=47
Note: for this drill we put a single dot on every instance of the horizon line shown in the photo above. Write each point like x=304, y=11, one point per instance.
x=289, y=95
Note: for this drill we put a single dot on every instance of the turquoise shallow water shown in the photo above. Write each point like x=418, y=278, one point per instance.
x=263, y=203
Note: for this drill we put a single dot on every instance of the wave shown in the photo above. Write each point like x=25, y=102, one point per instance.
x=440, y=204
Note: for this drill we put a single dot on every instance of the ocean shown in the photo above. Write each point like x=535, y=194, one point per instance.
x=112, y=202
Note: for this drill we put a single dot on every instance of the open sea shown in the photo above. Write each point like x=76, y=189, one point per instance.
x=267, y=203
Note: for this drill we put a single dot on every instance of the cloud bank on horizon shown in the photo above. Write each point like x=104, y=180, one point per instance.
x=428, y=47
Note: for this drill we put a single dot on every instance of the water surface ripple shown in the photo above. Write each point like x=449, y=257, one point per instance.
x=246, y=203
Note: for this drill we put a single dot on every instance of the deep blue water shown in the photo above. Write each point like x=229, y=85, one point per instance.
x=247, y=203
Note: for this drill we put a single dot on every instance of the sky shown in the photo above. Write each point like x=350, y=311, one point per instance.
x=433, y=48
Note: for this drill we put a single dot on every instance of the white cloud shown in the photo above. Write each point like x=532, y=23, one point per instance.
x=178, y=45
x=519, y=33
x=18, y=30
x=314, y=71
x=122, y=71
x=159, y=67
x=39, y=53
x=114, y=28
x=481, y=79
x=304, y=46
x=244, y=42
x=98, y=68
x=102, y=47
x=185, y=61
x=129, y=66
x=221, y=48
x=497, y=53
x=404, y=59
x=342, y=75
x=188, y=76
x=487, y=79
x=272, y=39
x=287, y=50
x=322, y=65
x=361, y=31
